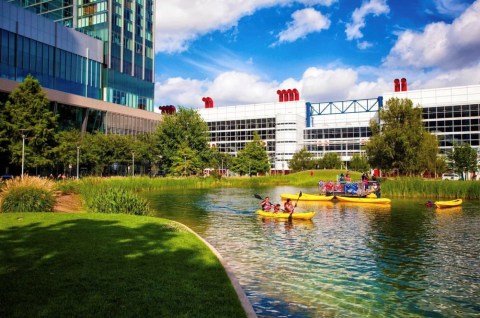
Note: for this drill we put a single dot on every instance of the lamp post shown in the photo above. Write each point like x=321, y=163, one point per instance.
x=23, y=147
x=133, y=163
x=78, y=162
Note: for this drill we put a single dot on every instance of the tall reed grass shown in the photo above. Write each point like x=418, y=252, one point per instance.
x=419, y=188
x=397, y=187
x=27, y=194
x=104, y=198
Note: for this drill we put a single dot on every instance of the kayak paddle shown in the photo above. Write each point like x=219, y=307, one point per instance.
x=258, y=197
x=290, y=216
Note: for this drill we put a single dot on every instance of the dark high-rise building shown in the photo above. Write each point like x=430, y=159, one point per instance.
x=126, y=30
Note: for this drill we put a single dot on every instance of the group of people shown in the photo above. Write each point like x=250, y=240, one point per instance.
x=344, y=184
x=266, y=205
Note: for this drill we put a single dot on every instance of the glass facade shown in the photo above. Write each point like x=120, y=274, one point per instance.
x=127, y=73
x=73, y=118
x=55, y=68
x=128, y=48
x=232, y=135
x=57, y=10
x=454, y=124
x=344, y=141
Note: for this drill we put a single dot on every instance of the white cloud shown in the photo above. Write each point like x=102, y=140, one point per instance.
x=322, y=84
x=315, y=85
x=375, y=7
x=179, y=91
x=229, y=88
x=465, y=76
x=450, y=7
x=319, y=2
x=363, y=45
x=304, y=22
x=177, y=22
x=446, y=46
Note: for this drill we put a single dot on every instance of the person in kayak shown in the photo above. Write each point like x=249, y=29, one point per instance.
x=288, y=206
x=266, y=204
x=276, y=208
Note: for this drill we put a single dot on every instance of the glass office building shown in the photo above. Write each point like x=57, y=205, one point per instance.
x=342, y=127
x=70, y=67
x=127, y=33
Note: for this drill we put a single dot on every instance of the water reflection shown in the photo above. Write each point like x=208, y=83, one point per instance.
x=350, y=260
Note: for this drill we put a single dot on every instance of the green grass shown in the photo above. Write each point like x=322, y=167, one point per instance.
x=398, y=187
x=98, y=265
x=144, y=183
x=435, y=189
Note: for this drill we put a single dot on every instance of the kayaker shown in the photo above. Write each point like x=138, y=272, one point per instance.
x=377, y=190
x=288, y=206
x=276, y=208
x=266, y=204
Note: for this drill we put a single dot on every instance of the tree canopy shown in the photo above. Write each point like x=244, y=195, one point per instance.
x=359, y=163
x=182, y=137
x=27, y=114
x=400, y=142
x=253, y=158
x=301, y=160
x=463, y=158
x=330, y=160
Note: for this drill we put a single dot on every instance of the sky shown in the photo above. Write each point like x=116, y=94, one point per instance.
x=242, y=51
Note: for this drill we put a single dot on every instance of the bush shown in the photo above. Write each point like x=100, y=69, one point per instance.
x=30, y=194
x=115, y=200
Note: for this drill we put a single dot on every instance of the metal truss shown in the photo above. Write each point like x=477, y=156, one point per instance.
x=343, y=107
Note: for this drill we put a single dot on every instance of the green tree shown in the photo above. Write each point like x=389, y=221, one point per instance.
x=65, y=152
x=184, y=129
x=359, y=163
x=219, y=160
x=253, y=158
x=401, y=142
x=4, y=141
x=185, y=162
x=330, y=160
x=463, y=158
x=301, y=160
x=440, y=165
x=27, y=111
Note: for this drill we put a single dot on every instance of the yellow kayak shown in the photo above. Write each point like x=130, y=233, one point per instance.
x=282, y=215
x=448, y=204
x=306, y=197
x=364, y=200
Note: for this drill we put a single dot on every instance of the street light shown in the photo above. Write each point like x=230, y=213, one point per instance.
x=23, y=147
x=133, y=163
x=78, y=161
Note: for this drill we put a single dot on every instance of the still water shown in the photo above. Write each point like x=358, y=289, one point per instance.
x=351, y=260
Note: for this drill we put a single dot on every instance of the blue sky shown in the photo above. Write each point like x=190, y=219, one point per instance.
x=242, y=51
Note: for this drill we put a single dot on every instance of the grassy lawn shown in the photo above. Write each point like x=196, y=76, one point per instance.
x=99, y=265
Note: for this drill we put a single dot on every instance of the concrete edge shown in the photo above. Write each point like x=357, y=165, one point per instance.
x=247, y=306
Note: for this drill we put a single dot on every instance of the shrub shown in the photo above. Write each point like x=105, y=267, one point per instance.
x=115, y=200
x=30, y=194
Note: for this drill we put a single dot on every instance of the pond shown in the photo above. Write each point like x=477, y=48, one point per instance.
x=350, y=260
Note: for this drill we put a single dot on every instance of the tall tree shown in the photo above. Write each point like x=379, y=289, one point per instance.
x=253, y=158
x=330, y=160
x=186, y=129
x=301, y=160
x=66, y=150
x=27, y=114
x=463, y=158
x=359, y=163
x=401, y=142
